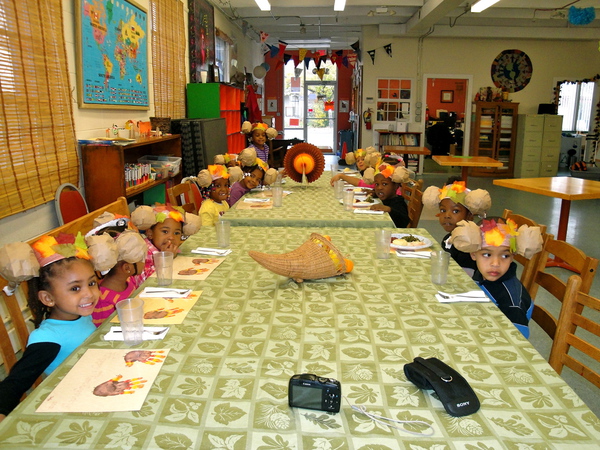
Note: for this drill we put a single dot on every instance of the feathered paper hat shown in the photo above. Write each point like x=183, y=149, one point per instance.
x=248, y=158
x=469, y=237
x=20, y=262
x=316, y=258
x=225, y=159
x=144, y=217
x=248, y=128
x=477, y=201
x=107, y=245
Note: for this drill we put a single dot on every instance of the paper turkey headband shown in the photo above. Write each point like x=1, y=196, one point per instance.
x=370, y=155
x=469, y=237
x=477, y=201
x=20, y=262
x=225, y=159
x=112, y=241
x=398, y=174
x=249, y=159
x=248, y=128
x=145, y=217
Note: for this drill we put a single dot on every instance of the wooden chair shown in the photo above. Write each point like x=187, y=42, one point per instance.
x=12, y=304
x=585, y=265
x=529, y=265
x=182, y=195
x=411, y=186
x=569, y=320
x=69, y=203
x=415, y=208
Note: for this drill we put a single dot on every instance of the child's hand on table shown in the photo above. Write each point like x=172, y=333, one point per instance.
x=380, y=207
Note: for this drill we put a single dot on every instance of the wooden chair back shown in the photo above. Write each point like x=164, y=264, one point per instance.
x=529, y=265
x=14, y=304
x=415, y=208
x=182, y=195
x=571, y=317
x=411, y=186
x=585, y=265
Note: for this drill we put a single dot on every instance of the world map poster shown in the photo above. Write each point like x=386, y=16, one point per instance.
x=112, y=54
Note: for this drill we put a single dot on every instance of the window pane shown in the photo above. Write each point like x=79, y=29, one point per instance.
x=566, y=107
x=584, y=113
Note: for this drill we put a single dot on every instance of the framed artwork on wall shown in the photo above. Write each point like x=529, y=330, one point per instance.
x=112, y=55
x=447, y=96
x=201, y=20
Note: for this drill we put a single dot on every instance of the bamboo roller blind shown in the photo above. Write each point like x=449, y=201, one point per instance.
x=38, y=149
x=168, y=60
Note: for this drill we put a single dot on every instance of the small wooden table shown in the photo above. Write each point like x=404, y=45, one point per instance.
x=465, y=162
x=565, y=188
x=407, y=150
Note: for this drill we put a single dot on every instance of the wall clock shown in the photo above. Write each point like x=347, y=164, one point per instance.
x=511, y=70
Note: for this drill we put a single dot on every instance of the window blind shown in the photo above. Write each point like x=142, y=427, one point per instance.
x=38, y=149
x=168, y=62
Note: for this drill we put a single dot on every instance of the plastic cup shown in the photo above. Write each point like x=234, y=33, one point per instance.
x=348, y=199
x=131, y=317
x=277, y=196
x=163, y=264
x=439, y=266
x=223, y=228
x=383, y=241
x=339, y=188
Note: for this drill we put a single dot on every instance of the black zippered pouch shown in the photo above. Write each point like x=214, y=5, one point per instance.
x=453, y=390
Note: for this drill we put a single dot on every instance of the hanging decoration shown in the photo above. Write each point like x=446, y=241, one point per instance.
x=297, y=72
x=356, y=48
x=282, y=46
x=278, y=65
x=296, y=59
x=372, y=55
x=329, y=105
x=307, y=61
x=286, y=58
x=263, y=36
x=274, y=51
x=388, y=49
x=345, y=61
x=511, y=70
x=302, y=54
x=266, y=66
x=320, y=73
x=317, y=60
x=581, y=16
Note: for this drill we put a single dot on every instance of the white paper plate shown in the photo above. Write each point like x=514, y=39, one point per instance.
x=426, y=242
x=364, y=204
x=348, y=171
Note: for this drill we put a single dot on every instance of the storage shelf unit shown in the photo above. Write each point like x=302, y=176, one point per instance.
x=403, y=138
x=494, y=134
x=538, y=145
x=104, y=168
x=213, y=100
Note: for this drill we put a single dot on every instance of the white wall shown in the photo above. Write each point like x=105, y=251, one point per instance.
x=550, y=59
x=91, y=123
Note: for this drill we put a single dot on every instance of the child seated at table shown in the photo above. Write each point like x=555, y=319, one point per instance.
x=255, y=171
x=455, y=203
x=227, y=160
x=259, y=133
x=165, y=229
x=118, y=253
x=492, y=244
x=63, y=291
x=387, y=180
x=214, y=186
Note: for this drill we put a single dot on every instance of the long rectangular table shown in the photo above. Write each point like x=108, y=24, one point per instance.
x=224, y=382
x=310, y=205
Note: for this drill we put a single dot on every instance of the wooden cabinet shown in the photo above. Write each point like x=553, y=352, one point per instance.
x=385, y=137
x=104, y=167
x=213, y=100
x=538, y=145
x=494, y=134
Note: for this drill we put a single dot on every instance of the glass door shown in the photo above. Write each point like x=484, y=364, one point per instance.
x=310, y=104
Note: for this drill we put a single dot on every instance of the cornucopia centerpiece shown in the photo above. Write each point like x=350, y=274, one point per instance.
x=314, y=259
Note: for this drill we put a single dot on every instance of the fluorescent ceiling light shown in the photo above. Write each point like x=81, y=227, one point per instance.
x=482, y=4
x=263, y=5
x=339, y=5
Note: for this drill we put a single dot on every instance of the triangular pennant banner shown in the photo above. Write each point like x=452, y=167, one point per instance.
x=263, y=36
x=317, y=60
x=296, y=59
x=301, y=54
x=286, y=57
x=352, y=59
x=307, y=61
x=388, y=49
x=274, y=51
x=345, y=61
x=297, y=72
x=356, y=46
x=265, y=48
x=278, y=64
x=282, y=46
x=372, y=55
x=320, y=73
x=324, y=59
x=334, y=59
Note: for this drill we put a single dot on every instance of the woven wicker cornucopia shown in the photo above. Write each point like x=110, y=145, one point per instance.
x=316, y=258
x=304, y=157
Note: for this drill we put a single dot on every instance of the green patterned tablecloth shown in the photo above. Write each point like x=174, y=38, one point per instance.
x=224, y=382
x=311, y=205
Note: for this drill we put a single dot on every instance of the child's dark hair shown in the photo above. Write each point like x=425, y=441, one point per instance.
x=250, y=169
x=42, y=283
x=453, y=179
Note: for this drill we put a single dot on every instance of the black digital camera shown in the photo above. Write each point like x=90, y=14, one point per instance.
x=312, y=392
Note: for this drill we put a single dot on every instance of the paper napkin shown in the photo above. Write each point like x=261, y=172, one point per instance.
x=115, y=334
